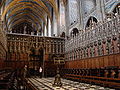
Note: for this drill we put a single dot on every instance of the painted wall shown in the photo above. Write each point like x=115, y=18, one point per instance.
x=3, y=47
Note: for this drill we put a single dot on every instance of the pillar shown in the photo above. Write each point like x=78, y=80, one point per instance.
x=67, y=18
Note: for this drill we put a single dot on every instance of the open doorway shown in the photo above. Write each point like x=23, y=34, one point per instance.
x=41, y=57
x=36, y=61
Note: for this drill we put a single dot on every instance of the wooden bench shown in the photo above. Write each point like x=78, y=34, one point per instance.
x=6, y=78
x=109, y=82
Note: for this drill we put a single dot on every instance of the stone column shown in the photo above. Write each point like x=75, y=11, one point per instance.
x=52, y=27
x=80, y=14
x=67, y=18
x=43, y=29
x=47, y=27
x=103, y=9
x=99, y=9
x=55, y=23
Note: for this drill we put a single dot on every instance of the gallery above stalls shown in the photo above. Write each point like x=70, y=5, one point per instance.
x=24, y=27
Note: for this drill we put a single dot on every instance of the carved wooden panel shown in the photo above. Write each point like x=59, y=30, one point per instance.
x=98, y=62
x=32, y=50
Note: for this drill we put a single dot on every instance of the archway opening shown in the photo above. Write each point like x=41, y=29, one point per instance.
x=63, y=35
x=36, y=61
x=41, y=56
x=24, y=28
x=91, y=22
x=116, y=10
x=74, y=32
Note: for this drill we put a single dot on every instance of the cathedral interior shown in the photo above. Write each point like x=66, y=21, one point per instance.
x=59, y=44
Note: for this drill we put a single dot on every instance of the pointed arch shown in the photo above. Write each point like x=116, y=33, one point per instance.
x=90, y=20
x=74, y=32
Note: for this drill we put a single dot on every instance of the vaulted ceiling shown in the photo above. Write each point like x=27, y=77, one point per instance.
x=35, y=12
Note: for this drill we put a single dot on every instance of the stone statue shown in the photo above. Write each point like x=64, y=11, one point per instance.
x=25, y=27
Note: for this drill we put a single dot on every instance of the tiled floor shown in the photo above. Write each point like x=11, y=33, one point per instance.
x=46, y=84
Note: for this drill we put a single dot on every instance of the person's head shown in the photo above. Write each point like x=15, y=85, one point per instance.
x=105, y=70
x=25, y=65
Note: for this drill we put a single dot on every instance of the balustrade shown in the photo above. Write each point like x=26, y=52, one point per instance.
x=102, y=39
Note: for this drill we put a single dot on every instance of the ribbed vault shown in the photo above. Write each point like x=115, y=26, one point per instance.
x=33, y=12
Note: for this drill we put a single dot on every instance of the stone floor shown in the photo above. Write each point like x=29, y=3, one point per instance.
x=46, y=84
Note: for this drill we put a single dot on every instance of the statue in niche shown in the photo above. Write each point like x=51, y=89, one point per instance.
x=84, y=50
x=114, y=44
x=81, y=54
x=95, y=49
x=25, y=28
x=108, y=45
x=118, y=43
x=91, y=50
x=107, y=48
x=99, y=47
x=88, y=50
x=104, y=46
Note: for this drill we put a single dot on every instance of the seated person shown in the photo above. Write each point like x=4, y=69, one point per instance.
x=113, y=74
x=119, y=73
x=106, y=73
